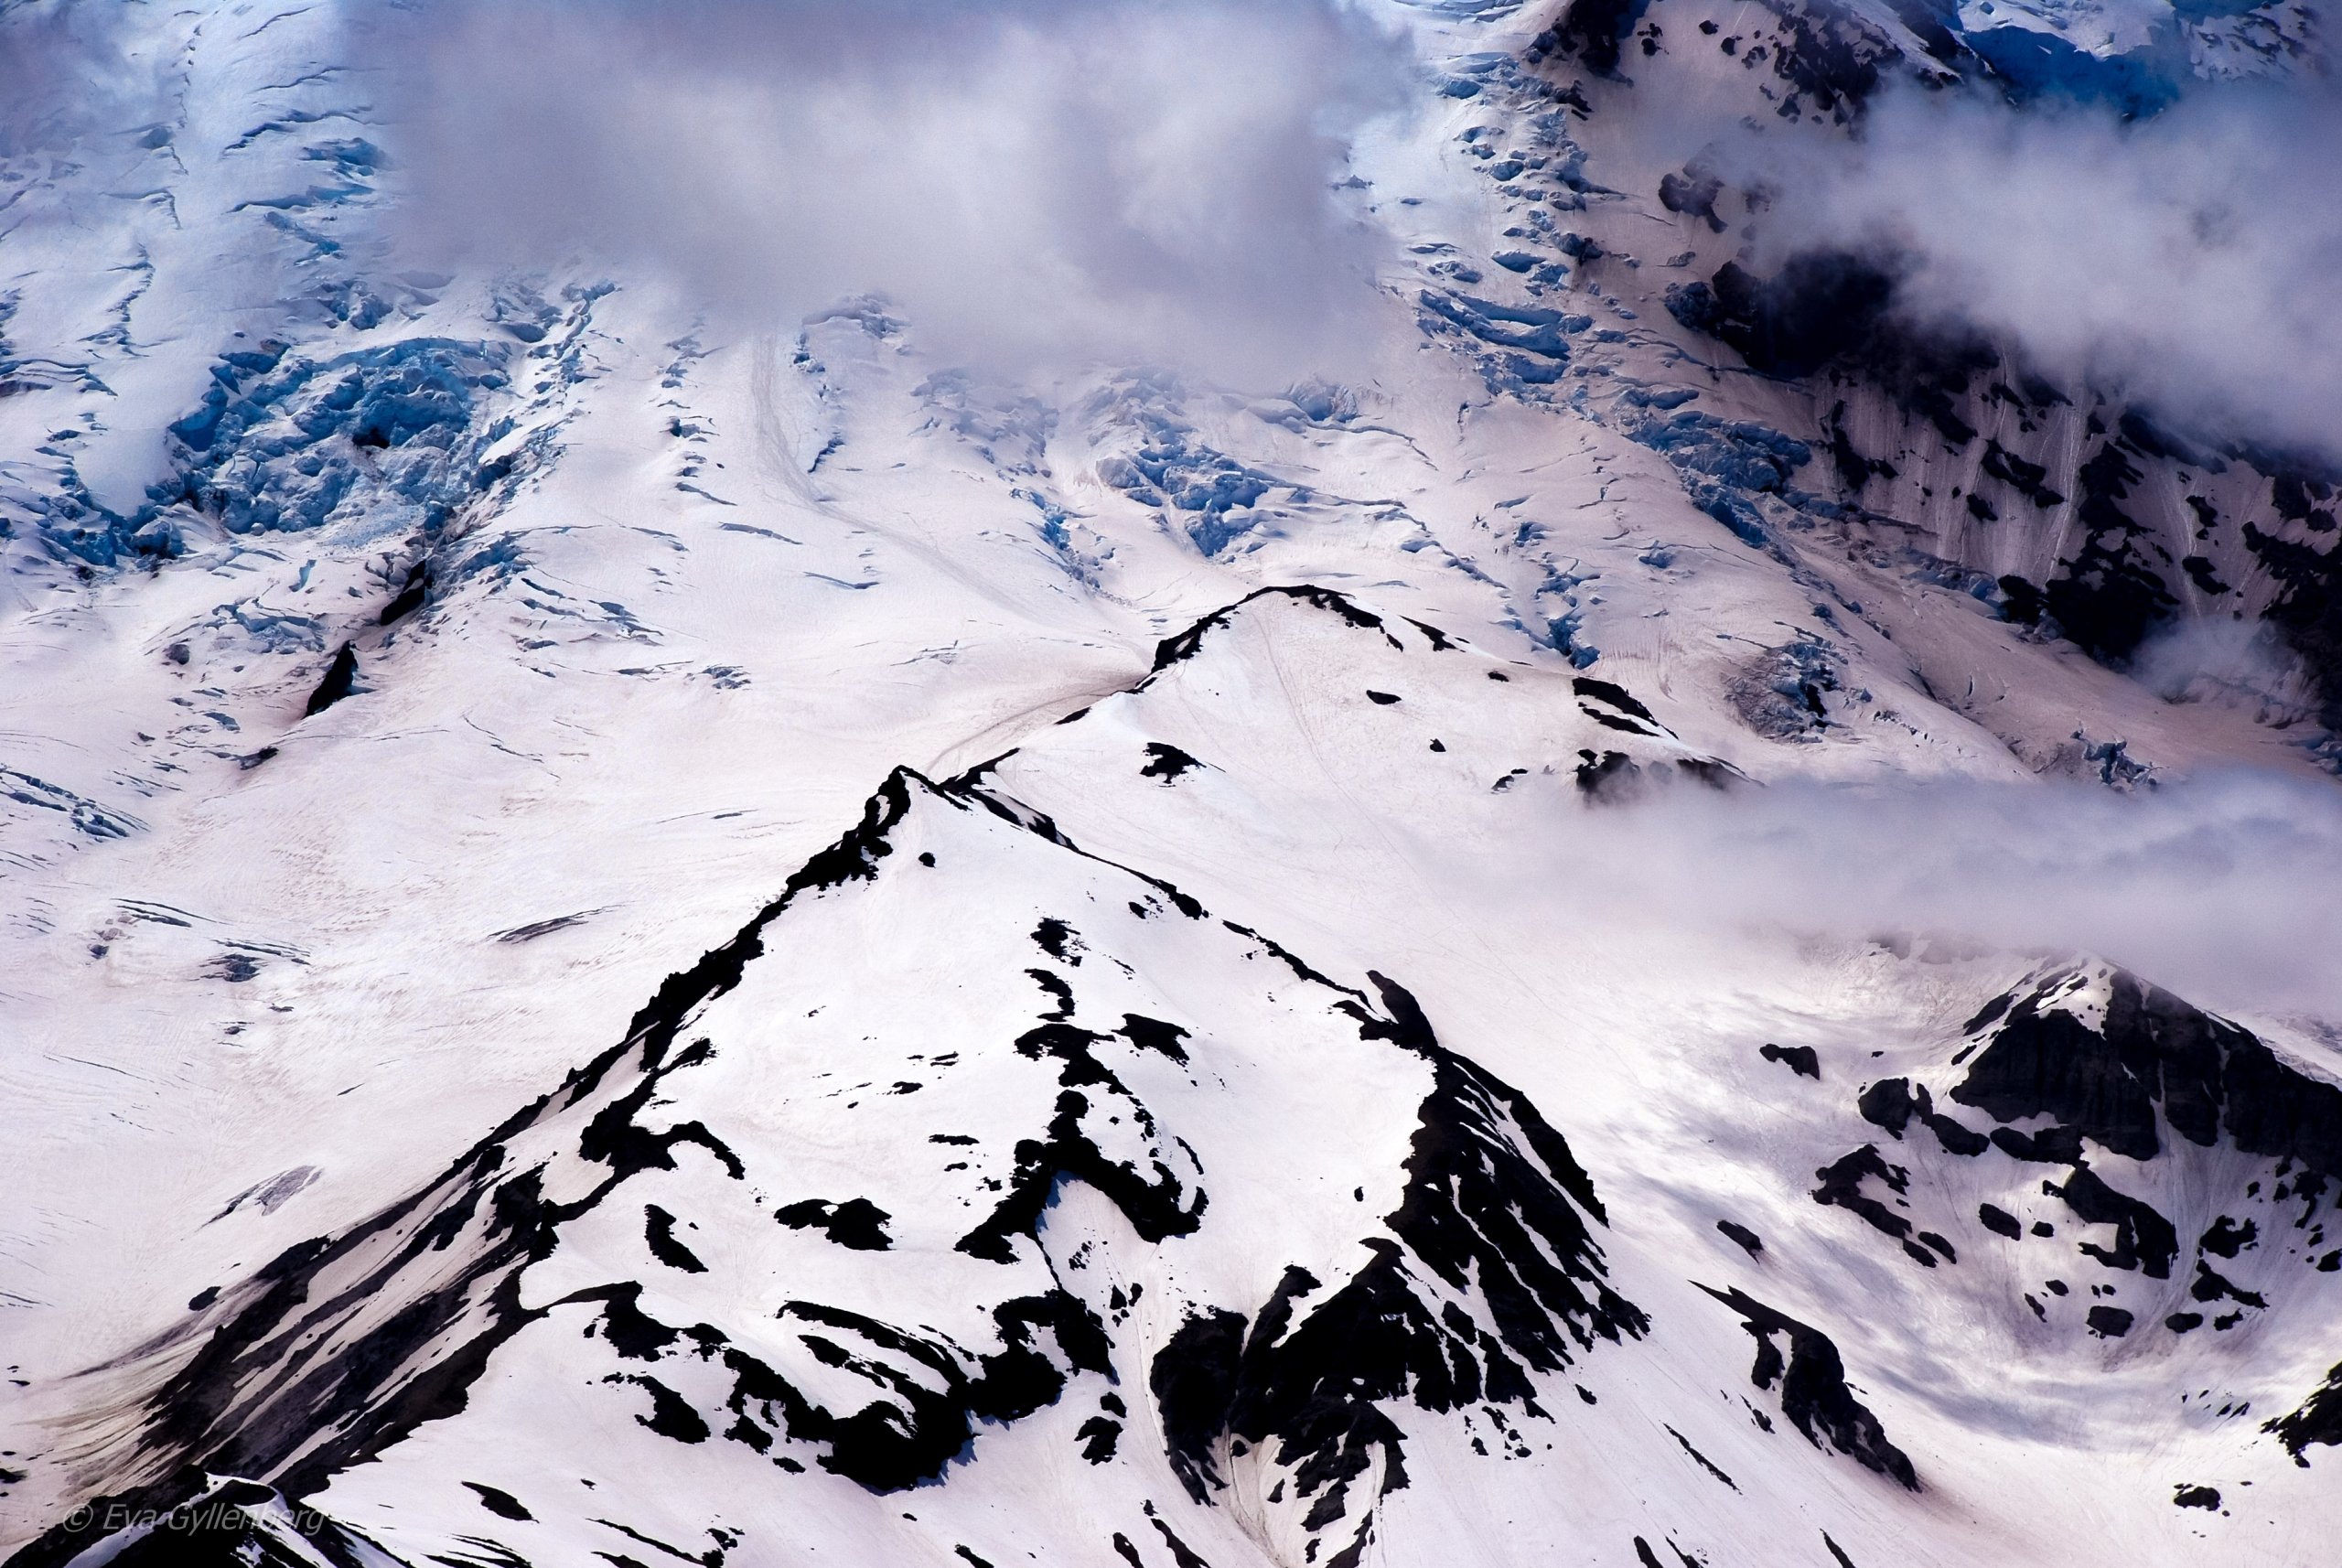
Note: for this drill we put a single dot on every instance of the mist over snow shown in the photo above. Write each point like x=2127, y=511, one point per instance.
x=2223, y=885
x=1024, y=180
x=2186, y=260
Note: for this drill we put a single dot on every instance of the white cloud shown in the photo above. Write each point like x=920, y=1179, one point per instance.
x=2220, y=888
x=2186, y=260
x=1024, y=180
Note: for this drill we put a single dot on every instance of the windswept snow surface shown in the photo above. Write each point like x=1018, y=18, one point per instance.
x=1672, y=923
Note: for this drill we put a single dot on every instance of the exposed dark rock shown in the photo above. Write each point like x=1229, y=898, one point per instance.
x=2109, y=1322
x=1616, y=695
x=1693, y=194
x=2210, y=1284
x=2307, y=609
x=2028, y=478
x=1176, y=649
x=503, y=1504
x=856, y=1223
x=2143, y=1238
x=2107, y=599
x=1841, y=1185
x=1494, y=1205
x=1166, y=762
x=2155, y=1062
x=1595, y=30
x=1606, y=779
x=1888, y=1104
x=410, y=596
x=1802, y=1061
x=2227, y=1237
x=659, y=1234
x=1813, y=1392
x=2318, y=1421
x=341, y=677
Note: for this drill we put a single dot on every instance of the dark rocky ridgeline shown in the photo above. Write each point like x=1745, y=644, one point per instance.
x=2318, y=1421
x=1812, y=1378
x=1182, y=647
x=2155, y=1062
x=1489, y=1272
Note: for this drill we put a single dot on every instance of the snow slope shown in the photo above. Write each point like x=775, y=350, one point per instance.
x=1223, y=1102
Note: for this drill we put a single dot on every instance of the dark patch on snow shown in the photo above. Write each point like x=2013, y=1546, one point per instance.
x=1802, y=1061
x=1495, y=1204
x=1704, y=1462
x=410, y=597
x=503, y=1504
x=1615, y=695
x=1166, y=762
x=2107, y=599
x=1097, y=1437
x=1693, y=193
x=857, y=1223
x=1813, y=1392
x=1747, y=1241
x=1156, y=1200
x=659, y=1234
x=1606, y=779
x=1057, y=939
x=2109, y=1322
x=341, y=677
x=2143, y=1238
x=1593, y=31
x=2227, y=1237
x=1842, y=1186
x=1892, y=1104
x=1154, y=1034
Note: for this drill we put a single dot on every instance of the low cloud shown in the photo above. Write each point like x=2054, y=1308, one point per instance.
x=2185, y=261
x=2220, y=888
x=1023, y=179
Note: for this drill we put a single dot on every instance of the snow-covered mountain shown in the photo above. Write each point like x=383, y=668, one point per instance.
x=635, y=933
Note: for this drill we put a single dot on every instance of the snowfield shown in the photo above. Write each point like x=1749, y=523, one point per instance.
x=632, y=934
